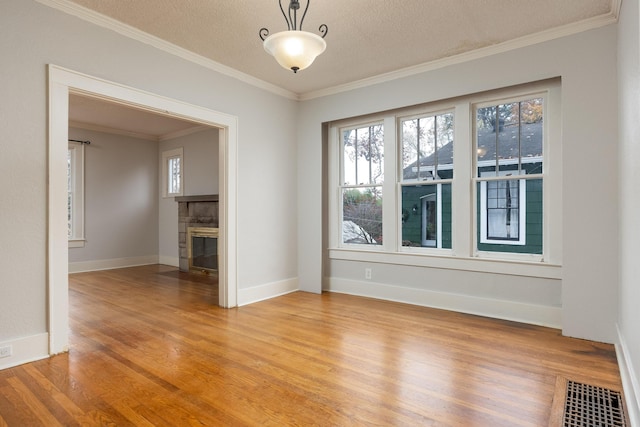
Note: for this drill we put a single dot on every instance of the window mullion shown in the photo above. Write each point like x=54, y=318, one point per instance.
x=463, y=194
x=390, y=206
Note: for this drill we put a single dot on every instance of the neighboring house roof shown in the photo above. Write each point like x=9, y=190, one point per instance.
x=507, y=146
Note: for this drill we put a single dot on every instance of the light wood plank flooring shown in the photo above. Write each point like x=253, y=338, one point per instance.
x=149, y=347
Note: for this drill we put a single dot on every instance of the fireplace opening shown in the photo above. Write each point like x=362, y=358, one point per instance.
x=202, y=245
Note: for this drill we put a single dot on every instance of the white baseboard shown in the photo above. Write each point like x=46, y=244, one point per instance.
x=499, y=309
x=629, y=380
x=169, y=260
x=266, y=291
x=108, y=264
x=25, y=350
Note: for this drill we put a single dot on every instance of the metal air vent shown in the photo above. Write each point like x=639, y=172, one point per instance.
x=587, y=405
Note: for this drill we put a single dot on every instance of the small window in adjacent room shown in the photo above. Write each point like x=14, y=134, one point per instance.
x=75, y=194
x=172, y=167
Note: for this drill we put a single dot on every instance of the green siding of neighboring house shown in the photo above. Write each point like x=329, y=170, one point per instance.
x=533, y=239
x=446, y=216
x=412, y=221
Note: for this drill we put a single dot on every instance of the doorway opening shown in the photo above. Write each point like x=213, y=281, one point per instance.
x=62, y=83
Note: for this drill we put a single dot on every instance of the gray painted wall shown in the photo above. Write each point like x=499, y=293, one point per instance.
x=200, y=151
x=34, y=35
x=121, y=207
x=587, y=292
x=629, y=92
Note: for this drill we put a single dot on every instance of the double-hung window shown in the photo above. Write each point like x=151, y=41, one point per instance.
x=466, y=178
x=426, y=144
x=362, y=177
x=509, y=174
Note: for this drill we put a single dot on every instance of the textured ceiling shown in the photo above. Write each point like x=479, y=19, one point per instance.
x=366, y=38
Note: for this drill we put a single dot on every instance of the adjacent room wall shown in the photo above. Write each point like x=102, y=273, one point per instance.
x=34, y=35
x=200, y=158
x=584, y=295
x=629, y=175
x=121, y=210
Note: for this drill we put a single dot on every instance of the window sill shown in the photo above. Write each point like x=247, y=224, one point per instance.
x=475, y=264
x=76, y=243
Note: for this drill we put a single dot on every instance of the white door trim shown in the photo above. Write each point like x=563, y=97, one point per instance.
x=62, y=82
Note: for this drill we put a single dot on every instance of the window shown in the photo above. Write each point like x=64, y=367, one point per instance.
x=75, y=194
x=427, y=174
x=172, y=172
x=500, y=209
x=362, y=163
x=465, y=178
x=509, y=140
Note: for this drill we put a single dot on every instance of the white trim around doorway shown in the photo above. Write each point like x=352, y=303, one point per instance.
x=62, y=82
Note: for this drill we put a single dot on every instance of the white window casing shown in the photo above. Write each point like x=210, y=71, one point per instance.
x=173, y=172
x=522, y=215
x=465, y=235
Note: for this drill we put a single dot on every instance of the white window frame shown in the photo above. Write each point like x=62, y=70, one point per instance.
x=342, y=186
x=76, y=187
x=464, y=254
x=435, y=109
x=551, y=155
x=423, y=202
x=522, y=214
x=167, y=156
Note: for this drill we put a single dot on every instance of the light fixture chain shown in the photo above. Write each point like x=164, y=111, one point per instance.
x=285, y=16
x=304, y=14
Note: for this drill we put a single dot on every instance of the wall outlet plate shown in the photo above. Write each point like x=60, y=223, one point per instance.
x=5, y=351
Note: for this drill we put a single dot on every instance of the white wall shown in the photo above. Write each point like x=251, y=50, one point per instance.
x=584, y=294
x=121, y=207
x=34, y=35
x=629, y=106
x=200, y=168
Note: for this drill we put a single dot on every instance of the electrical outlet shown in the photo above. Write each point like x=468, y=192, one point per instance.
x=5, y=351
x=367, y=273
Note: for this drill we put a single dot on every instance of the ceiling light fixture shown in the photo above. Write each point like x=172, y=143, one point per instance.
x=294, y=49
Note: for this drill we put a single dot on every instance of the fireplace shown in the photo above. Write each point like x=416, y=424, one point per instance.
x=199, y=214
x=202, y=249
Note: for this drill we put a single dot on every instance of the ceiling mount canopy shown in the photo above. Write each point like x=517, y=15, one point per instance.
x=294, y=49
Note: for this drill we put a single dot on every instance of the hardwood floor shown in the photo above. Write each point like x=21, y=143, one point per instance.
x=149, y=347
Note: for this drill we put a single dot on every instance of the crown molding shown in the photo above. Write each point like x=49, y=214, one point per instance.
x=138, y=35
x=521, y=42
x=138, y=135
x=615, y=8
x=532, y=39
x=184, y=132
x=114, y=131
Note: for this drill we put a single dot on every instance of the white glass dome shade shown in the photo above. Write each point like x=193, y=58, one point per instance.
x=294, y=50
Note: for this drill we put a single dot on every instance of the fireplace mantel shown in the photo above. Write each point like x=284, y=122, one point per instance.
x=203, y=198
